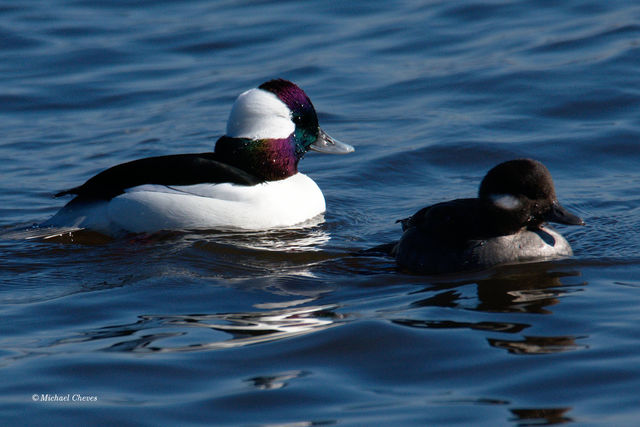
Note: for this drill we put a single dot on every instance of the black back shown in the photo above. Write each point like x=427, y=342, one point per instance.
x=178, y=169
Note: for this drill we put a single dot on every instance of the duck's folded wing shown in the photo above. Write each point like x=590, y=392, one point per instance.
x=178, y=169
x=414, y=219
x=451, y=220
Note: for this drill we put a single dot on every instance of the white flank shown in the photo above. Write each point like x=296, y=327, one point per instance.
x=295, y=201
x=505, y=201
x=276, y=204
x=259, y=114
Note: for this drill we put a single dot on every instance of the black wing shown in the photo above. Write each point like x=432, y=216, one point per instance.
x=414, y=219
x=178, y=169
x=459, y=218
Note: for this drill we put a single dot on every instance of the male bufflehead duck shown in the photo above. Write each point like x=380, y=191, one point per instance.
x=505, y=224
x=251, y=180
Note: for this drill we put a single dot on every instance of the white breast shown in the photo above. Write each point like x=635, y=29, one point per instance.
x=149, y=208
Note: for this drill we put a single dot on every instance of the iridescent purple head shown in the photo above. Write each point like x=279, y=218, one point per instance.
x=271, y=128
x=303, y=114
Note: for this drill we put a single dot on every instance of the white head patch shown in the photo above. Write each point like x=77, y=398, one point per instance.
x=259, y=114
x=505, y=201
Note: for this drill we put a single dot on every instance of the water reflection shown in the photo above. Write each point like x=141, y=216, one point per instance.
x=290, y=240
x=277, y=381
x=541, y=416
x=539, y=345
x=177, y=333
x=450, y=324
x=528, y=288
x=306, y=237
x=55, y=235
x=524, y=289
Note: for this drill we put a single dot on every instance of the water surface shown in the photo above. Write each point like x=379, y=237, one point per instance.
x=288, y=327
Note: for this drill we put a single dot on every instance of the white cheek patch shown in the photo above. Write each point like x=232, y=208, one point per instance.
x=505, y=201
x=259, y=114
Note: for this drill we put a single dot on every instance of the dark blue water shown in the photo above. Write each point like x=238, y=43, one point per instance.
x=287, y=328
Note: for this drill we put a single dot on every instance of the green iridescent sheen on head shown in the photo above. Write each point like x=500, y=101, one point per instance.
x=275, y=158
x=303, y=114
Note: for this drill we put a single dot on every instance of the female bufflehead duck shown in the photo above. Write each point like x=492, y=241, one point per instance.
x=251, y=180
x=505, y=224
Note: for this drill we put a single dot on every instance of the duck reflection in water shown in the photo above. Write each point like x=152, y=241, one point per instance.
x=539, y=345
x=526, y=288
x=276, y=381
x=541, y=416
